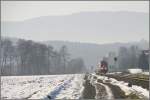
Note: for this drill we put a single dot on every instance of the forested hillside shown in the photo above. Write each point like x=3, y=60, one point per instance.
x=93, y=53
x=25, y=57
x=20, y=56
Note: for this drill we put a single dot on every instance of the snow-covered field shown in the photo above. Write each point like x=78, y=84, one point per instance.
x=39, y=87
x=135, y=71
x=69, y=86
x=124, y=86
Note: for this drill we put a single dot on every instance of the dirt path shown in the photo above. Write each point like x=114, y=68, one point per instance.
x=89, y=91
x=130, y=79
x=96, y=88
x=116, y=91
x=93, y=90
x=101, y=92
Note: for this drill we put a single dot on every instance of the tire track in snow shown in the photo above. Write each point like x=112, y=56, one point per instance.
x=126, y=92
x=89, y=91
x=102, y=90
x=108, y=91
x=57, y=89
x=113, y=91
x=73, y=90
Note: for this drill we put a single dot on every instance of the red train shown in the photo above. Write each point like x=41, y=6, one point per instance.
x=102, y=67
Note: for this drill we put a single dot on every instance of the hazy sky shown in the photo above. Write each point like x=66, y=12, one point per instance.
x=21, y=10
x=16, y=11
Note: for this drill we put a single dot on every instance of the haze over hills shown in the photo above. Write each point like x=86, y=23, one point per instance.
x=93, y=27
x=91, y=53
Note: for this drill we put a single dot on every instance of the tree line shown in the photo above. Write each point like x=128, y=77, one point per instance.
x=27, y=57
x=132, y=57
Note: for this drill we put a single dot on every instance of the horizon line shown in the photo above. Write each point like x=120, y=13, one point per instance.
x=42, y=41
x=75, y=13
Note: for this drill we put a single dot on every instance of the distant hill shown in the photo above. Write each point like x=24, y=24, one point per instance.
x=87, y=25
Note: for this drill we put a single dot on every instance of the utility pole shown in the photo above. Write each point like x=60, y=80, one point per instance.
x=115, y=59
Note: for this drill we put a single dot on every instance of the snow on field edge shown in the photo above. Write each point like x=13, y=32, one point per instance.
x=35, y=87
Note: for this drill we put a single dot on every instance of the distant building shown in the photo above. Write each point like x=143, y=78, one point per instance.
x=144, y=59
x=147, y=52
x=111, y=62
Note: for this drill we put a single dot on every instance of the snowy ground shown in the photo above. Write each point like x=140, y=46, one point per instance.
x=141, y=92
x=145, y=73
x=71, y=86
x=40, y=87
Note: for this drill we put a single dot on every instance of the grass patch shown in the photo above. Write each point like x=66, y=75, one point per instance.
x=132, y=96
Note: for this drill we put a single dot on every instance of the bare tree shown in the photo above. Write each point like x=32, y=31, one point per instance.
x=64, y=56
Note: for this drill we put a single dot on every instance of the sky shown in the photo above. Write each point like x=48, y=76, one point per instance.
x=22, y=10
